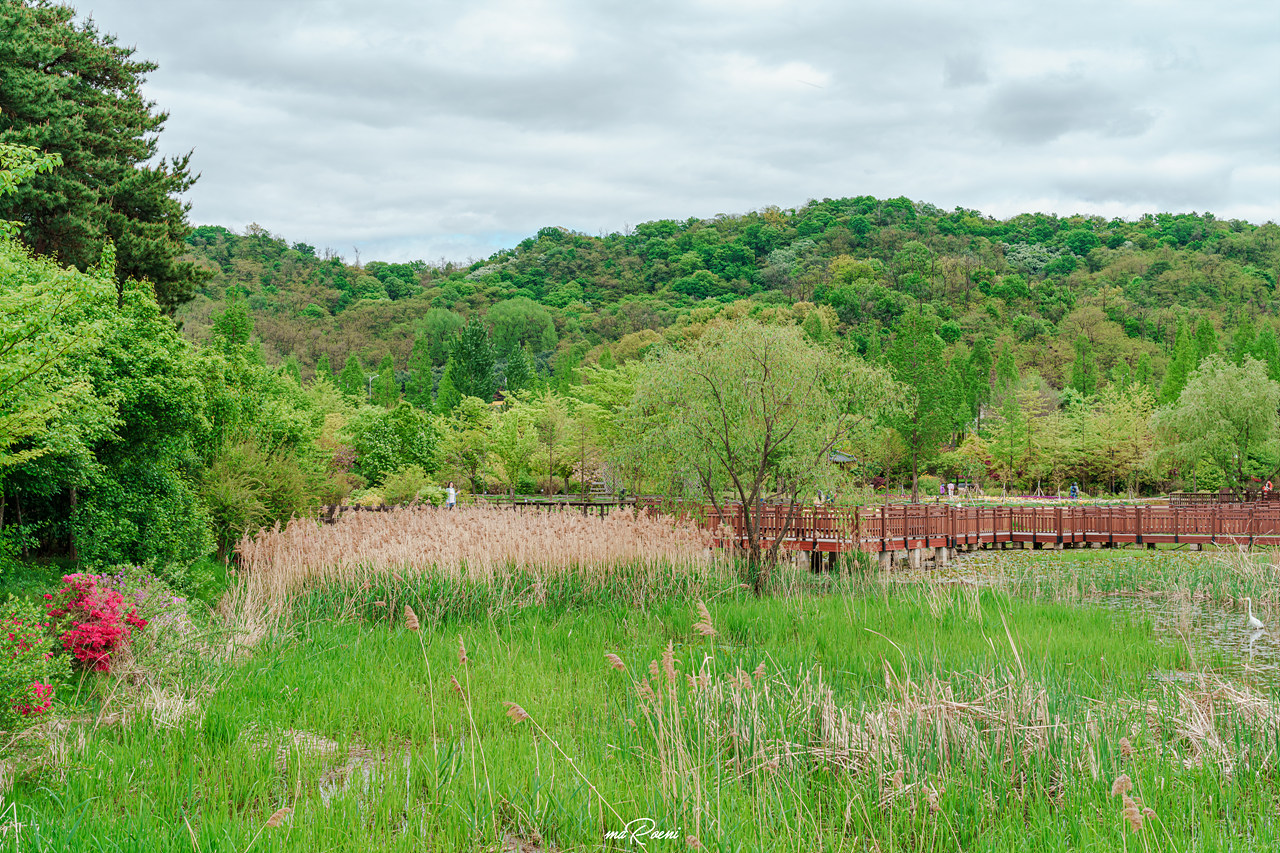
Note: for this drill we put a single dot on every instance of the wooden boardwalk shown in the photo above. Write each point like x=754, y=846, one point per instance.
x=911, y=527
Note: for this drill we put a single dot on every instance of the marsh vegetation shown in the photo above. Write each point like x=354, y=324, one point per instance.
x=539, y=703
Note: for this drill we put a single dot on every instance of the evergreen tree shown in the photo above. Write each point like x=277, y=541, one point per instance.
x=233, y=328
x=386, y=391
x=875, y=354
x=323, y=368
x=1267, y=351
x=978, y=377
x=1206, y=341
x=1142, y=373
x=72, y=91
x=447, y=395
x=421, y=374
x=1084, y=370
x=473, y=353
x=915, y=358
x=1006, y=369
x=351, y=380
x=1243, y=342
x=519, y=372
x=1180, y=366
x=291, y=369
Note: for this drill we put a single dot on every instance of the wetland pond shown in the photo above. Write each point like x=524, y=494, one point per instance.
x=1195, y=599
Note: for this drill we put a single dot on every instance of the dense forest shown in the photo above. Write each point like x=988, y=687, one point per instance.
x=1036, y=283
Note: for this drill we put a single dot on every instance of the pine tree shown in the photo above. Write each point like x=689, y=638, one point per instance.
x=351, y=380
x=915, y=358
x=421, y=375
x=72, y=91
x=1142, y=373
x=977, y=374
x=233, y=328
x=474, y=355
x=323, y=369
x=447, y=395
x=386, y=391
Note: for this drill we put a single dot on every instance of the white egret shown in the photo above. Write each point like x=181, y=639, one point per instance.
x=1254, y=621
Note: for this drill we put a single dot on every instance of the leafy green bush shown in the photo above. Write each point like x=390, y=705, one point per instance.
x=247, y=488
x=386, y=441
x=411, y=483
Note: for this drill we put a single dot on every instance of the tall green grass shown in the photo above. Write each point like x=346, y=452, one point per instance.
x=850, y=715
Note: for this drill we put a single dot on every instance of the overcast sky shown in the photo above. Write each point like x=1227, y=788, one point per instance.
x=414, y=129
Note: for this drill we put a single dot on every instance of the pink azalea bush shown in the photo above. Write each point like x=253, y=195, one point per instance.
x=94, y=617
x=29, y=665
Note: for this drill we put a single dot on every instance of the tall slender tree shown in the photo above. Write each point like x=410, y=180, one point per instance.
x=473, y=352
x=352, y=380
x=915, y=359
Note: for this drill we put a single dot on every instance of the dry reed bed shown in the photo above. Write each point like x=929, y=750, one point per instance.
x=475, y=543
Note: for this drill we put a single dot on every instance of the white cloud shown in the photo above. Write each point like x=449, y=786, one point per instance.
x=421, y=129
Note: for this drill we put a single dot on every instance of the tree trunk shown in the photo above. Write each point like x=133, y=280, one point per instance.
x=915, y=476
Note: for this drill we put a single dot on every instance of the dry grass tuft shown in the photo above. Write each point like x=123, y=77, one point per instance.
x=411, y=619
x=515, y=712
x=479, y=544
x=703, y=626
x=1131, y=813
x=1121, y=786
x=279, y=817
x=616, y=662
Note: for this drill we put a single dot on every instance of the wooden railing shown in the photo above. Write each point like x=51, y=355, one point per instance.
x=925, y=525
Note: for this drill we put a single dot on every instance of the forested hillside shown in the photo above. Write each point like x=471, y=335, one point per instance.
x=1051, y=288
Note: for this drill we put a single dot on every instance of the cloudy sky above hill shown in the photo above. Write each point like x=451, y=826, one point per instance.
x=411, y=129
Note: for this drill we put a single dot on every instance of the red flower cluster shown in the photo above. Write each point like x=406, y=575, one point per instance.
x=42, y=692
x=96, y=620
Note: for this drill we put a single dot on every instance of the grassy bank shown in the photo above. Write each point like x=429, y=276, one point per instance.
x=861, y=717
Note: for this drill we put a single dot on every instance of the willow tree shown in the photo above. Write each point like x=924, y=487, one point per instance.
x=752, y=412
x=1225, y=414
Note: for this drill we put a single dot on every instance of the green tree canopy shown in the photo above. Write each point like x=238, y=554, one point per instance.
x=752, y=410
x=1225, y=414
x=69, y=90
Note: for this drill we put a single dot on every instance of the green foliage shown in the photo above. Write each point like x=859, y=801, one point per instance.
x=915, y=359
x=421, y=382
x=1224, y=415
x=447, y=394
x=521, y=322
x=518, y=375
x=388, y=440
x=75, y=93
x=323, y=368
x=17, y=164
x=386, y=391
x=31, y=658
x=1084, y=370
x=411, y=483
x=474, y=356
x=247, y=487
x=352, y=380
